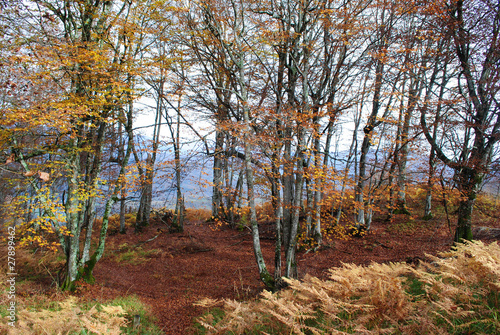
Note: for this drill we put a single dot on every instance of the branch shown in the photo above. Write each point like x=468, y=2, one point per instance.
x=432, y=141
x=240, y=155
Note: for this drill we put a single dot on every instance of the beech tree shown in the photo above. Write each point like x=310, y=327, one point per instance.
x=225, y=31
x=298, y=69
x=385, y=19
x=474, y=31
x=78, y=67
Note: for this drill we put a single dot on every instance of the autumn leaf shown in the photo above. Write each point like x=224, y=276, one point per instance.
x=10, y=159
x=29, y=173
x=44, y=176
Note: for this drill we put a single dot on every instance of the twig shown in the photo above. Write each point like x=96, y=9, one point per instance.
x=383, y=245
x=236, y=243
x=151, y=239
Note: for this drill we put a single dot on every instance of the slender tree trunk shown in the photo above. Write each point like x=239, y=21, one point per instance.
x=288, y=187
x=308, y=210
x=368, y=130
x=276, y=201
x=123, y=190
x=432, y=155
x=178, y=220
x=217, y=173
x=73, y=241
x=318, y=237
x=414, y=95
x=430, y=181
x=266, y=278
x=123, y=199
x=290, y=251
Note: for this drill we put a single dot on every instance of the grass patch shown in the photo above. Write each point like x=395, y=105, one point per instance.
x=407, y=226
x=133, y=306
x=414, y=287
x=134, y=255
x=209, y=319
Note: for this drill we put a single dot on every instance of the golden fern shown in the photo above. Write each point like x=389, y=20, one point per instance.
x=70, y=319
x=453, y=293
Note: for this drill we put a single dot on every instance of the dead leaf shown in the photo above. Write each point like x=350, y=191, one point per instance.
x=29, y=173
x=10, y=159
x=44, y=176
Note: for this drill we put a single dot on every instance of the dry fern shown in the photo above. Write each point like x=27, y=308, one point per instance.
x=70, y=319
x=458, y=292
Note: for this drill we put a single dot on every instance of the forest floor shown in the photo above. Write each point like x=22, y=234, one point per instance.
x=175, y=270
x=172, y=271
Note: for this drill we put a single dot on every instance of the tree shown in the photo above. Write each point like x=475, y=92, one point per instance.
x=473, y=28
x=385, y=18
x=226, y=30
x=72, y=49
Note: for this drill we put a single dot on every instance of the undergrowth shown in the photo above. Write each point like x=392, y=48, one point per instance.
x=43, y=310
x=457, y=293
x=43, y=315
x=127, y=254
x=69, y=318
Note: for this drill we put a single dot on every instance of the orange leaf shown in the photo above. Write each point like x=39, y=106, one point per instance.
x=29, y=173
x=44, y=176
x=10, y=159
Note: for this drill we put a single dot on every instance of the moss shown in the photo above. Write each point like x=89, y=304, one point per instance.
x=402, y=211
x=268, y=280
x=86, y=273
x=68, y=285
x=428, y=217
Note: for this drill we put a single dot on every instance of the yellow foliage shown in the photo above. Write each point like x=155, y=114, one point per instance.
x=200, y=214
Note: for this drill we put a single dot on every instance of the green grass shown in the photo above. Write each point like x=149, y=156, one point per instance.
x=134, y=256
x=134, y=306
x=217, y=314
x=414, y=287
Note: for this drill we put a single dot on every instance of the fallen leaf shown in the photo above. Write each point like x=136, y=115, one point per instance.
x=10, y=159
x=43, y=176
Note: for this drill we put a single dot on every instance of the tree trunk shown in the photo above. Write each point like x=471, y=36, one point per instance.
x=464, y=224
x=430, y=182
x=290, y=250
x=217, y=173
x=308, y=210
x=288, y=183
x=178, y=220
x=319, y=183
x=73, y=224
x=123, y=229
x=144, y=211
x=368, y=133
x=469, y=183
x=276, y=201
x=86, y=272
x=266, y=278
